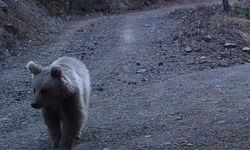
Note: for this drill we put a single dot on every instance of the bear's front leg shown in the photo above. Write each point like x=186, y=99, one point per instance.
x=53, y=122
x=71, y=128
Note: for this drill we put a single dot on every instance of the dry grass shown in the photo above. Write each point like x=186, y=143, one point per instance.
x=239, y=27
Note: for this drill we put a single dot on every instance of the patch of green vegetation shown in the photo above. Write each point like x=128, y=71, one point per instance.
x=114, y=4
x=242, y=12
x=77, y=4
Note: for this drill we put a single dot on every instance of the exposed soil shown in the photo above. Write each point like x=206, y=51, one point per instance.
x=23, y=23
x=148, y=91
x=201, y=35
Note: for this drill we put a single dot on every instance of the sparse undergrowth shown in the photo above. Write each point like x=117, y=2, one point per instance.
x=243, y=12
x=21, y=21
x=59, y=8
x=210, y=37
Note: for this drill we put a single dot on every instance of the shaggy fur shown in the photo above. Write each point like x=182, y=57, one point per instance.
x=62, y=91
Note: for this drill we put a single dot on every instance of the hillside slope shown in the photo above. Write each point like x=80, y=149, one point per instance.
x=20, y=20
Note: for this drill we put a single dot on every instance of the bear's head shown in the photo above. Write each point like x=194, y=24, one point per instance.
x=47, y=84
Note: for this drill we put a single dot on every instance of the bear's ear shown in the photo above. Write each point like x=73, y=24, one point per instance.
x=34, y=68
x=56, y=72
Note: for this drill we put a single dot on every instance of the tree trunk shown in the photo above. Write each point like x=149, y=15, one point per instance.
x=226, y=6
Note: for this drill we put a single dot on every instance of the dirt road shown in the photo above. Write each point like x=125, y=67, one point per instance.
x=141, y=98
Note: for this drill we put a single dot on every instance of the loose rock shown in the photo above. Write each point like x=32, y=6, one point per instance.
x=141, y=70
x=247, y=49
x=188, y=49
x=160, y=63
x=131, y=82
x=11, y=28
x=3, y=6
x=230, y=45
x=167, y=143
x=188, y=144
x=4, y=52
x=203, y=57
x=207, y=38
x=100, y=89
x=202, y=60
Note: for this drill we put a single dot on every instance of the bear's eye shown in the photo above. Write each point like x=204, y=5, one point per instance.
x=44, y=91
x=34, y=90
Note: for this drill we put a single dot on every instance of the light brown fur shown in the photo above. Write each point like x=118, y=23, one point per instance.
x=62, y=91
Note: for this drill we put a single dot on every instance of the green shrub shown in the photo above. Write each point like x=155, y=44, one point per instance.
x=242, y=12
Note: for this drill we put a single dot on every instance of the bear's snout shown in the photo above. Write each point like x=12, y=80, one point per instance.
x=36, y=105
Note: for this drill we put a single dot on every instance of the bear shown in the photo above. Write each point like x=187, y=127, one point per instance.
x=62, y=92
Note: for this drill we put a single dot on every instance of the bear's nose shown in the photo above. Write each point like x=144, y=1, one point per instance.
x=35, y=105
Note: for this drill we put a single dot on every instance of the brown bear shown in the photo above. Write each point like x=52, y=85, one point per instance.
x=62, y=92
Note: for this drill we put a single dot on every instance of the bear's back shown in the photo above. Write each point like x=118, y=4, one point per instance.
x=75, y=71
x=71, y=64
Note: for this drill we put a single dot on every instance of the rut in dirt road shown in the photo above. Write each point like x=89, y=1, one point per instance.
x=141, y=99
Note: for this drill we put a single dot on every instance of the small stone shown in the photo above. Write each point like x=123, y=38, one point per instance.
x=191, y=62
x=230, y=45
x=131, y=82
x=3, y=118
x=141, y=70
x=178, y=117
x=160, y=63
x=221, y=122
x=207, y=38
x=3, y=6
x=18, y=99
x=225, y=54
x=175, y=37
x=223, y=64
x=167, y=143
x=100, y=89
x=5, y=52
x=105, y=148
x=247, y=49
x=138, y=64
x=186, y=143
x=202, y=60
x=189, y=144
x=188, y=49
x=80, y=30
x=11, y=28
x=144, y=80
x=198, y=49
x=203, y=57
